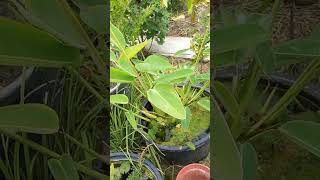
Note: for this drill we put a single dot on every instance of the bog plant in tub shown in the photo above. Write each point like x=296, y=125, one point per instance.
x=176, y=111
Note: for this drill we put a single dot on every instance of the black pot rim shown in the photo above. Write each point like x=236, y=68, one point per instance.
x=120, y=156
x=198, y=142
x=14, y=86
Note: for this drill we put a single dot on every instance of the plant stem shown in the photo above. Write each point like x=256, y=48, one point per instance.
x=311, y=70
x=91, y=48
x=50, y=153
x=90, y=151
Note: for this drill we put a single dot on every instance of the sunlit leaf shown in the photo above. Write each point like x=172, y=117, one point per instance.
x=118, y=75
x=154, y=63
x=119, y=99
x=186, y=122
x=117, y=38
x=176, y=75
x=204, y=103
x=165, y=97
x=132, y=120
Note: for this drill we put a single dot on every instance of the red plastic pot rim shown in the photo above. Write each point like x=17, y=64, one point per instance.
x=194, y=171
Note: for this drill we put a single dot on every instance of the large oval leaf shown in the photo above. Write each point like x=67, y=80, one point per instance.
x=249, y=162
x=304, y=133
x=63, y=169
x=117, y=75
x=204, y=103
x=51, y=13
x=32, y=118
x=119, y=99
x=237, y=37
x=165, y=98
x=227, y=156
x=154, y=63
x=95, y=17
x=178, y=75
x=23, y=44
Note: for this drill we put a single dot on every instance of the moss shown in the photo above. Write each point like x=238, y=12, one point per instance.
x=199, y=123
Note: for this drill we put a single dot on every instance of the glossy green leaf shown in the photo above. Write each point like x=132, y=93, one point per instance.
x=237, y=37
x=118, y=75
x=32, y=118
x=132, y=120
x=63, y=169
x=180, y=74
x=95, y=17
x=249, y=162
x=117, y=38
x=124, y=60
x=304, y=133
x=227, y=156
x=22, y=44
x=165, y=97
x=51, y=13
x=227, y=99
x=119, y=99
x=204, y=103
x=154, y=63
x=186, y=122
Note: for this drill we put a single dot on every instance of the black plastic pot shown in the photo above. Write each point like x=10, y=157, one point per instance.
x=183, y=155
x=118, y=157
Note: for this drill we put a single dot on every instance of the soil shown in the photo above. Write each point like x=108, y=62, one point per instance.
x=8, y=74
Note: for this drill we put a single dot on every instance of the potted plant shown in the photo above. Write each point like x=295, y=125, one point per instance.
x=131, y=166
x=173, y=101
x=248, y=107
x=37, y=40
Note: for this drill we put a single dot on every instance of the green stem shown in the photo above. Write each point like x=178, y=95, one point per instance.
x=312, y=69
x=90, y=151
x=50, y=153
x=91, y=48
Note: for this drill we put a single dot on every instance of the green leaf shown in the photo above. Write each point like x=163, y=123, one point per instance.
x=32, y=118
x=117, y=38
x=119, y=99
x=154, y=63
x=164, y=3
x=52, y=14
x=95, y=17
x=204, y=103
x=132, y=120
x=86, y=3
x=180, y=52
x=112, y=171
x=266, y=57
x=180, y=74
x=227, y=157
x=227, y=99
x=113, y=57
x=63, y=169
x=186, y=122
x=117, y=75
x=191, y=146
x=196, y=79
x=249, y=162
x=299, y=47
x=190, y=6
x=125, y=167
x=124, y=60
x=24, y=45
x=304, y=133
x=165, y=97
x=237, y=37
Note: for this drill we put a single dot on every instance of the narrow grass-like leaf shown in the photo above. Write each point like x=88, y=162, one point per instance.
x=304, y=133
x=132, y=120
